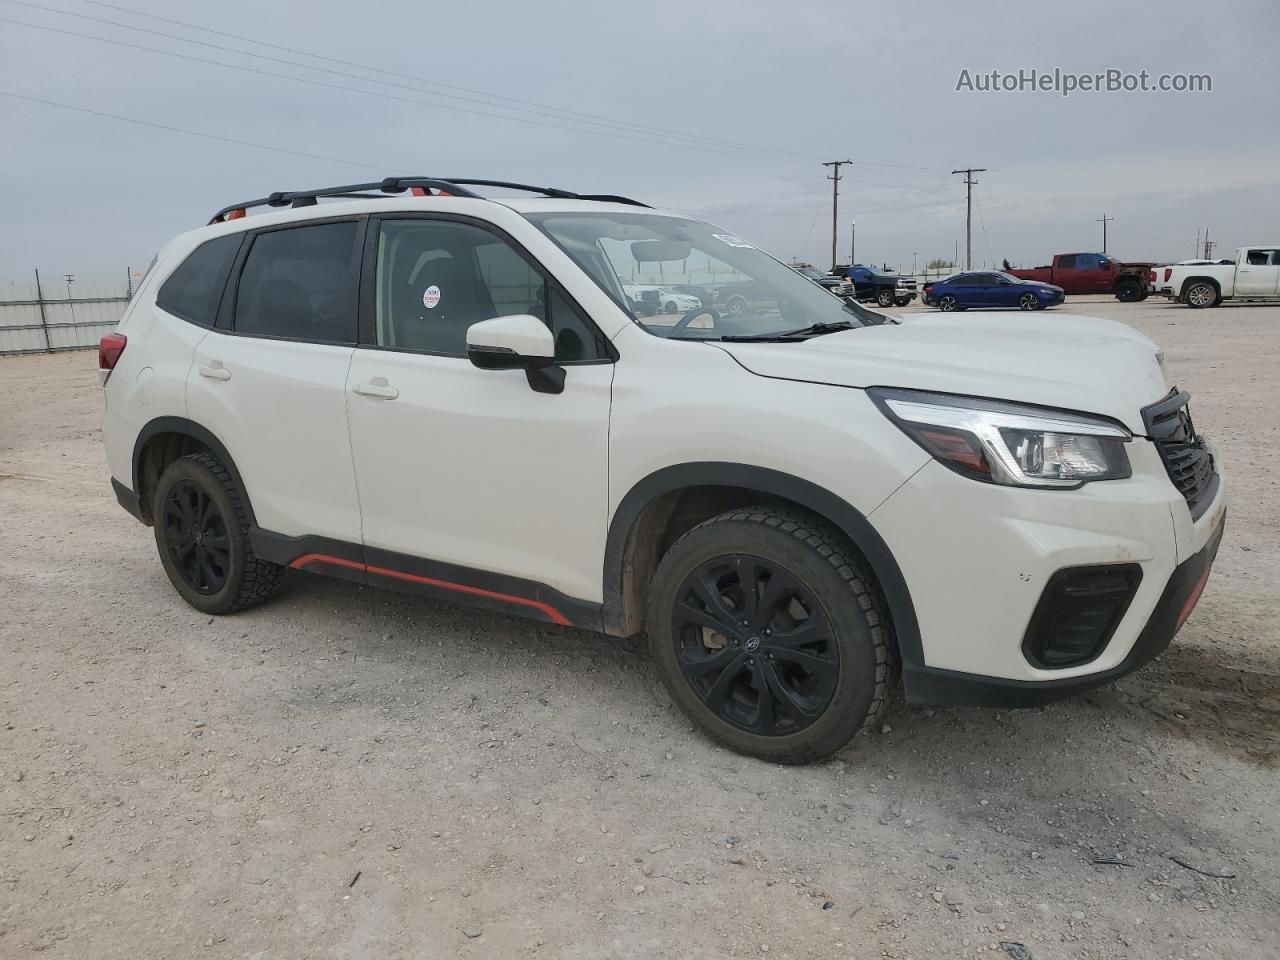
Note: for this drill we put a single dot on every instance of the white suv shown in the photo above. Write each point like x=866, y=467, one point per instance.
x=412, y=386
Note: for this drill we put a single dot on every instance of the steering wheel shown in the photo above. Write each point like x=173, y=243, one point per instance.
x=683, y=323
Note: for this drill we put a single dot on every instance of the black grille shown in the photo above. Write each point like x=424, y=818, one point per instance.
x=1186, y=458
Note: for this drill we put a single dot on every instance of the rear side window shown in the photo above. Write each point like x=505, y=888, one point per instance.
x=1068, y=262
x=194, y=290
x=301, y=283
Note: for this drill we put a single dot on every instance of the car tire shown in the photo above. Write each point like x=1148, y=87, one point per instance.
x=769, y=694
x=1200, y=294
x=202, y=534
x=947, y=303
x=1129, y=291
x=885, y=298
x=669, y=307
x=902, y=301
x=1029, y=301
x=735, y=305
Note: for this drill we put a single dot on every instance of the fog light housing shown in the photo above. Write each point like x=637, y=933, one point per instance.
x=1080, y=609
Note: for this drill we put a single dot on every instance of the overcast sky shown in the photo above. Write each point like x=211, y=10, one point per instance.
x=721, y=107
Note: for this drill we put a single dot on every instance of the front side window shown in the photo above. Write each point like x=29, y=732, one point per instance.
x=194, y=290
x=301, y=283
x=726, y=287
x=435, y=278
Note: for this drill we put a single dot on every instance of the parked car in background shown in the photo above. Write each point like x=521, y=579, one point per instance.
x=667, y=299
x=1158, y=276
x=1090, y=273
x=886, y=289
x=1253, y=275
x=840, y=286
x=982, y=289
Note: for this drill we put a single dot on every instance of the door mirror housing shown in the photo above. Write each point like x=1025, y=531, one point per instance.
x=519, y=342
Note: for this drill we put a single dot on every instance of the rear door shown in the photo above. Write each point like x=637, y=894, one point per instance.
x=1258, y=275
x=270, y=380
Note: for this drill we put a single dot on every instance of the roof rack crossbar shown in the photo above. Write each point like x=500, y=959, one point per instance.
x=456, y=186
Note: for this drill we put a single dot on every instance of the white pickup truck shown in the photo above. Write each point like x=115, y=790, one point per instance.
x=1254, y=275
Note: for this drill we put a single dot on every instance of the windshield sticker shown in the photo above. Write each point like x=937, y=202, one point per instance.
x=733, y=241
x=431, y=297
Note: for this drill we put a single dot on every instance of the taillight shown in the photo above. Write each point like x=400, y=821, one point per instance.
x=1168, y=272
x=1151, y=276
x=109, y=349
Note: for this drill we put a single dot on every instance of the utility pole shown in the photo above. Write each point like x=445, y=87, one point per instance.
x=1208, y=245
x=1104, y=219
x=968, y=212
x=835, y=166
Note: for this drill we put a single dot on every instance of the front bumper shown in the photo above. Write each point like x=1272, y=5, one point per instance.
x=1181, y=592
x=977, y=559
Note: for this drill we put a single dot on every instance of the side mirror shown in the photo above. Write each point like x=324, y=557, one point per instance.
x=520, y=342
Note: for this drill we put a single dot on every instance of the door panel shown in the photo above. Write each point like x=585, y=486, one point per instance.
x=1259, y=274
x=274, y=390
x=472, y=467
x=279, y=407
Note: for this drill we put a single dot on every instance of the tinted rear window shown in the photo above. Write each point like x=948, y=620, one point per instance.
x=194, y=290
x=301, y=283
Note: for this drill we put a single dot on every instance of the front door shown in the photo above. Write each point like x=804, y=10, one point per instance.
x=469, y=479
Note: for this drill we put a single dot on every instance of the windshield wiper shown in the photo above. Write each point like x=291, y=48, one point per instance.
x=791, y=336
x=817, y=329
x=762, y=338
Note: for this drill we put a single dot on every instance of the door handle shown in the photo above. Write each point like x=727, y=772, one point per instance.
x=215, y=371
x=377, y=388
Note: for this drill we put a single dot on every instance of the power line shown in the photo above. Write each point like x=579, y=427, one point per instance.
x=367, y=93
x=193, y=133
x=437, y=83
x=550, y=112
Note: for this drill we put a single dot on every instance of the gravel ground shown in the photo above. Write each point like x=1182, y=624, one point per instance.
x=350, y=773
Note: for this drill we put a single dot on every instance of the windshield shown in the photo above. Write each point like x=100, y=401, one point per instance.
x=813, y=273
x=739, y=290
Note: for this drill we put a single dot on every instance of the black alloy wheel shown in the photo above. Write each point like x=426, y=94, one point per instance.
x=1029, y=301
x=196, y=537
x=755, y=645
x=770, y=634
x=202, y=535
x=947, y=304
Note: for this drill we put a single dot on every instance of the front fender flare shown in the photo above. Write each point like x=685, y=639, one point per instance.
x=829, y=506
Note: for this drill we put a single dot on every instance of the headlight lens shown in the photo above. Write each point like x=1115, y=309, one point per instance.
x=1009, y=443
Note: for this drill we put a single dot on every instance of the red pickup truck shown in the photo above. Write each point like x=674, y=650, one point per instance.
x=1091, y=273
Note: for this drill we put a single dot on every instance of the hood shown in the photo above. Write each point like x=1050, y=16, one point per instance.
x=1086, y=364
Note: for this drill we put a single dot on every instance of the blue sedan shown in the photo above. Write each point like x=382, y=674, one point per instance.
x=964, y=290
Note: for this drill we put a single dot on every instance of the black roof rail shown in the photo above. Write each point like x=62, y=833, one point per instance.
x=455, y=186
x=548, y=191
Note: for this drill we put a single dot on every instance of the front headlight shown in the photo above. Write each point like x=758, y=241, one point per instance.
x=901, y=282
x=1048, y=293
x=1009, y=443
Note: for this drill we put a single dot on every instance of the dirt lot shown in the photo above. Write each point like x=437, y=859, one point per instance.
x=346, y=773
